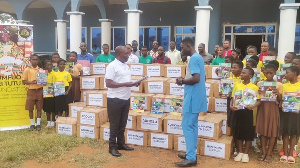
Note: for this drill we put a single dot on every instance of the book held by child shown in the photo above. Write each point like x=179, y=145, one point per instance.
x=267, y=59
x=224, y=70
x=267, y=91
x=280, y=76
x=291, y=102
x=59, y=88
x=48, y=90
x=69, y=67
x=226, y=87
x=42, y=77
x=237, y=99
x=249, y=97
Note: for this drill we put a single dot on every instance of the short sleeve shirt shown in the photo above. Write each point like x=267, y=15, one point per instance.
x=118, y=72
x=218, y=60
x=88, y=57
x=133, y=59
x=288, y=87
x=30, y=74
x=236, y=80
x=63, y=76
x=195, y=95
x=146, y=60
x=174, y=56
x=242, y=86
x=105, y=58
x=51, y=76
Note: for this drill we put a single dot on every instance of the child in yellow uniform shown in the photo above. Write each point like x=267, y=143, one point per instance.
x=290, y=122
x=296, y=62
x=244, y=129
x=61, y=102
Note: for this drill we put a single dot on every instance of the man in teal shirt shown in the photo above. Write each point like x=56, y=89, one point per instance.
x=106, y=57
x=145, y=59
x=220, y=58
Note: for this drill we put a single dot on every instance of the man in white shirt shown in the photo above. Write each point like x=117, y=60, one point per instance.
x=173, y=54
x=132, y=58
x=118, y=82
x=154, y=51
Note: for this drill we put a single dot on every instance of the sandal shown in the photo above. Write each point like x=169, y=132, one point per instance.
x=291, y=160
x=261, y=158
x=283, y=159
x=268, y=159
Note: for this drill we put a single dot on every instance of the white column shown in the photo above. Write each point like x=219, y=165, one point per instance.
x=61, y=38
x=105, y=31
x=133, y=25
x=286, y=40
x=75, y=30
x=202, y=25
x=22, y=22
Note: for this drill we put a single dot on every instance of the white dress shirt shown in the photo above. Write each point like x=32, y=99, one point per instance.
x=174, y=56
x=118, y=72
x=133, y=59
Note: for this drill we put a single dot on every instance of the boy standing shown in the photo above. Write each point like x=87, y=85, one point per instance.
x=34, y=93
x=145, y=59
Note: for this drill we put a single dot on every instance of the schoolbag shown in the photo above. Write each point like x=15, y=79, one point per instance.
x=165, y=60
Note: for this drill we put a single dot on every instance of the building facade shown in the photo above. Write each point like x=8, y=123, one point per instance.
x=62, y=25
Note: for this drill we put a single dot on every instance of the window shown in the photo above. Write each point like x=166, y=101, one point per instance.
x=148, y=34
x=297, y=40
x=182, y=32
x=118, y=37
x=83, y=37
x=95, y=37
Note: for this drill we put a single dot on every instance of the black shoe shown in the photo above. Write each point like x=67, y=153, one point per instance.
x=182, y=156
x=38, y=127
x=186, y=163
x=115, y=152
x=125, y=147
x=32, y=127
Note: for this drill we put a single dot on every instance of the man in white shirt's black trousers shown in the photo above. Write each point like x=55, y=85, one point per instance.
x=118, y=81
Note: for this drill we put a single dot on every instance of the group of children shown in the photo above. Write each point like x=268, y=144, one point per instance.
x=264, y=119
x=53, y=105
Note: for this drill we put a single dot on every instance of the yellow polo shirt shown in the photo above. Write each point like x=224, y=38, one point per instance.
x=236, y=80
x=288, y=87
x=30, y=74
x=63, y=76
x=259, y=64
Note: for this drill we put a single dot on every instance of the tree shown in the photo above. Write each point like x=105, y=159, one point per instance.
x=7, y=19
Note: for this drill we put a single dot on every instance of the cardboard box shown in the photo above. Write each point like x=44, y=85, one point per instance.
x=216, y=89
x=131, y=121
x=96, y=98
x=154, y=70
x=220, y=148
x=149, y=122
x=209, y=126
x=105, y=131
x=136, y=69
x=148, y=100
x=168, y=100
x=89, y=82
x=211, y=72
x=160, y=140
x=210, y=104
x=83, y=94
x=180, y=144
x=209, y=85
x=155, y=85
x=92, y=116
x=172, y=124
x=74, y=107
x=220, y=105
x=138, y=89
x=102, y=82
x=98, y=68
x=225, y=129
x=66, y=126
x=174, y=89
x=136, y=137
x=174, y=71
x=88, y=131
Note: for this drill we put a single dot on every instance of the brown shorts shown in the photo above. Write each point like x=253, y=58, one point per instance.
x=34, y=97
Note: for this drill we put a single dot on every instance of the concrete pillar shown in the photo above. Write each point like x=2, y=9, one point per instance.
x=75, y=30
x=22, y=22
x=62, y=38
x=133, y=25
x=287, y=28
x=105, y=31
x=202, y=25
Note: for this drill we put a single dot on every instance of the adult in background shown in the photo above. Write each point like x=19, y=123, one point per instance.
x=132, y=58
x=154, y=51
x=264, y=48
x=96, y=50
x=194, y=102
x=215, y=54
x=173, y=54
x=84, y=55
x=106, y=57
x=135, y=50
x=227, y=49
x=206, y=56
x=161, y=58
x=118, y=81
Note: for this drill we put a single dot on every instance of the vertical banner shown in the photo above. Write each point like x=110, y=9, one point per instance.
x=16, y=47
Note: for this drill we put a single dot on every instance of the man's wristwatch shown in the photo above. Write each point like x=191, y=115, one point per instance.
x=181, y=81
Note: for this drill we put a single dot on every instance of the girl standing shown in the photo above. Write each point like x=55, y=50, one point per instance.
x=74, y=95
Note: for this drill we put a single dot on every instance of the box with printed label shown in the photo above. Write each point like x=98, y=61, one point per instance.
x=211, y=72
x=131, y=120
x=174, y=71
x=74, y=107
x=88, y=131
x=105, y=131
x=149, y=122
x=168, y=101
x=136, y=137
x=137, y=89
x=141, y=101
x=66, y=126
x=136, y=69
x=102, y=82
x=98, y=68
x=220, y=105
x=90, y=82
x=209, y=126
x=173, y=89
x=209, y=85
x=154, y=70
x=220, y=148
x=160, y=140
x=96, y=98
x=83, y=94
x=180, y=144
x=155, y=85
x=172, y=125
x=225, y=129
x=92, y=116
